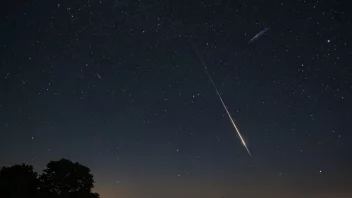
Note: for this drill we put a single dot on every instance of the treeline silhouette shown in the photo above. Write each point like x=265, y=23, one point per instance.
x=60, y=179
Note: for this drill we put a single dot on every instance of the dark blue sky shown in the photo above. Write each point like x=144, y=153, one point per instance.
x=118, y=87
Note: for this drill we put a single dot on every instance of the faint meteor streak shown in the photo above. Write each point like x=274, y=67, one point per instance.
x=98, y=76
x=222, y=101
x=258, y=35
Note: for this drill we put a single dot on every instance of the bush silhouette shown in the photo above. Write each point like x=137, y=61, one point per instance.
x=18, y=181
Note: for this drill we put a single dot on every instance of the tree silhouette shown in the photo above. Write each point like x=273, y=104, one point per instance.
x=65, y=179
x=61, y=179
x=18, y=181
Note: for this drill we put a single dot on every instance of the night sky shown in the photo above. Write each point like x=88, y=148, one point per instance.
x=118, y=87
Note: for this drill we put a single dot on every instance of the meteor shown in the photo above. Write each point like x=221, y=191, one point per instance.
x=222, y=101
x=258, y=35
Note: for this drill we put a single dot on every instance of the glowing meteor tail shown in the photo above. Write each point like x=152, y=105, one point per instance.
x=222, y=101
x=228, y=113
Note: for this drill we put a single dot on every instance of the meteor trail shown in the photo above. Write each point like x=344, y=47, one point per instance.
x=98, y=76
x=258, y=35
x=222, y=101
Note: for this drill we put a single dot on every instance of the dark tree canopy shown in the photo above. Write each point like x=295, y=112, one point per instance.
x=64, y=178
x=18, y=181
x=61, y=179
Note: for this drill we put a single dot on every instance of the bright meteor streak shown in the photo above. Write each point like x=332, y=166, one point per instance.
x=222, y=101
